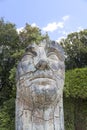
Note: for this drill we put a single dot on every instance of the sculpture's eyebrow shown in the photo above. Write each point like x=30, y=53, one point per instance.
x=31, y=49
x=51, y=49
x=57, y=51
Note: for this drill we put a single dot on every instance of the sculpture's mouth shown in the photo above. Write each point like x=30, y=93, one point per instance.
x=42, y=81
x=42, y=76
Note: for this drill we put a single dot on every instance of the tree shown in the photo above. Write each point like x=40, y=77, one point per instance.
x=75, y=47
x=31, y=34
x=9, y=40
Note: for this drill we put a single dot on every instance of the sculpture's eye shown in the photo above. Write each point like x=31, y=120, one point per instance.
x=27, y=57
x=53, y=56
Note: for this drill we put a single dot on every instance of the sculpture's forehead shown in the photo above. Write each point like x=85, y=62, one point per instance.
x=51, y=46
x=46, y=45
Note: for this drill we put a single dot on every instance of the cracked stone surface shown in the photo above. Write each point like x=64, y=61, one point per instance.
x=40, y=81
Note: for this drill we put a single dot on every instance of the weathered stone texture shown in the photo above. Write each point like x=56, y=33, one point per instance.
x=40, y=80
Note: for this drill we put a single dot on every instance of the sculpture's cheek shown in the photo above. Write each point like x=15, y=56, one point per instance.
x=54, y=66
x=28, y=67
x=57, y=68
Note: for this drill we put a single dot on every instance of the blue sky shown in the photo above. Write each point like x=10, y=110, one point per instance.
x=57, y=17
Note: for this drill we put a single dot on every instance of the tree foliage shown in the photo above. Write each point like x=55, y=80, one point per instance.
x=75, y=47
x=9, y=40
x=31, y=34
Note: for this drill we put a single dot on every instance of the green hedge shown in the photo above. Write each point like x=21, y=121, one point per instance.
x=76, y=83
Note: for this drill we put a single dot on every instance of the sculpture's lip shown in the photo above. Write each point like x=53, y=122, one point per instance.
x=42, y=81
x=41, y=77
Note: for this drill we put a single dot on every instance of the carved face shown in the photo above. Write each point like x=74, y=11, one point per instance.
x=40, y=75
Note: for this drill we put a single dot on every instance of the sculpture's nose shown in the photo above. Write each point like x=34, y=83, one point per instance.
x=42, y=64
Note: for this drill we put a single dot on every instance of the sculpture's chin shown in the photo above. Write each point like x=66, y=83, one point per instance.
x=44, y=96
x=41, y=94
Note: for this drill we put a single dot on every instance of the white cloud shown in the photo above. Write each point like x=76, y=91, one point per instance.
x=80, y=28
x=66, y=17
x=63, y=32
x=20, y=29
x=34, y=25
x=53, y=26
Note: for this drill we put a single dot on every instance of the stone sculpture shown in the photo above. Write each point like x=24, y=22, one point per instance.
x=40, y=80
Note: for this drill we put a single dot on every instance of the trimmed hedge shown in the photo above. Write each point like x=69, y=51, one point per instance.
x=76, y=83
